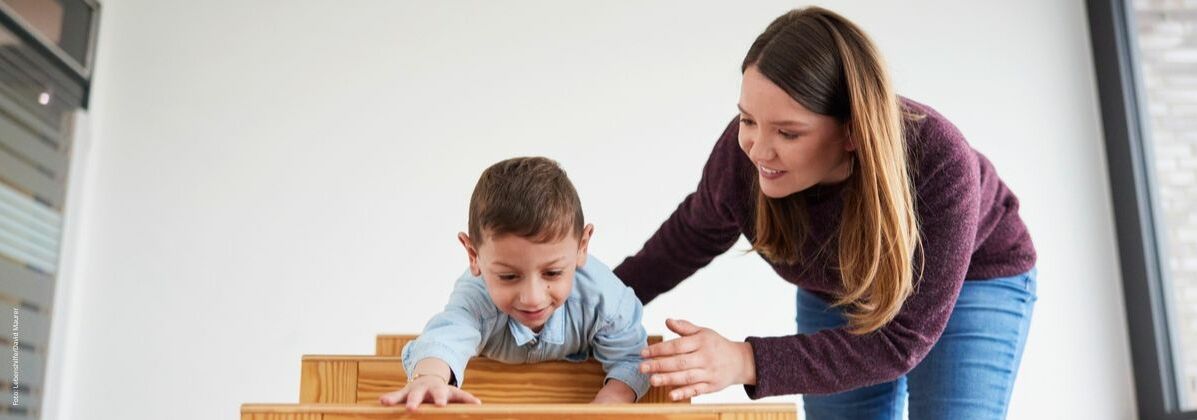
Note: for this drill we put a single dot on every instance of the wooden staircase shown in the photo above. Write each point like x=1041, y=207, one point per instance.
x=337, y=387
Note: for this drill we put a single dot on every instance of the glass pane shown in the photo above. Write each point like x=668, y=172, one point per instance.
x=32, y=174
x=65, y=23
x=34, y=84
x=1166, y=36
x=38, y=102
x=45, y=16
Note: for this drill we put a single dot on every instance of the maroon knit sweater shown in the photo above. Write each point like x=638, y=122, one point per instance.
x=970, y=230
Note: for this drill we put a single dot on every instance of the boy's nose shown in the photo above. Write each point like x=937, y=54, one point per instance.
x=535, y=294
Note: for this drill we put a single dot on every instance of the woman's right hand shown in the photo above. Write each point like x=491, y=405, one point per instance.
x=427, y=389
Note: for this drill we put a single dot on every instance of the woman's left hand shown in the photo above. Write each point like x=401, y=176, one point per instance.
x=699, y=362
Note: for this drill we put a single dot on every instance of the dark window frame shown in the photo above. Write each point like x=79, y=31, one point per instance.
x=1125, y=126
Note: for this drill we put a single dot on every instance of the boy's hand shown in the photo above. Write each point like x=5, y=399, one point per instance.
x=615, y=392
x=427, y=389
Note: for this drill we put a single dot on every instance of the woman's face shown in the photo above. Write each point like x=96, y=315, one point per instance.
x=792, y=147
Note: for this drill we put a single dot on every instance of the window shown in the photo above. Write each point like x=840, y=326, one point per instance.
x=43, y=83
x=67, y=25
x=1145, y=53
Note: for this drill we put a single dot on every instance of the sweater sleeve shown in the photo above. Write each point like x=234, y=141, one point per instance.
x=834, y=360
x=700, y=229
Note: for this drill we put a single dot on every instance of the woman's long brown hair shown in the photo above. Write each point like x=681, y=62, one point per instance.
x=830, y=66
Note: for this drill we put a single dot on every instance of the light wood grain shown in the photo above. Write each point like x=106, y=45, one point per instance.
x=328, y=381
x=362, y=379
x=282, y=416
x=526, y=411
x=732, y=415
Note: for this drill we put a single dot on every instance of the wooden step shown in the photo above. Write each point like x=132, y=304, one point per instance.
x=392, y=344
x=523, y=411
x=362, y=379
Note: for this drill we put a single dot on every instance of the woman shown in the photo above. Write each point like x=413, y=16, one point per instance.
x=915, y=274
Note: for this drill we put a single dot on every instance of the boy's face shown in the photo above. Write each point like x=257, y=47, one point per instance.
x=528, y=280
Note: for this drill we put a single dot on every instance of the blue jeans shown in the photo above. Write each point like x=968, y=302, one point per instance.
x=968, y=374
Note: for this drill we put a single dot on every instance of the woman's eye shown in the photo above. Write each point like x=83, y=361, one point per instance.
x=746, y=121
x=786, y=135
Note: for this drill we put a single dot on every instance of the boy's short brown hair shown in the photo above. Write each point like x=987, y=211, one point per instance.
x=526, y=196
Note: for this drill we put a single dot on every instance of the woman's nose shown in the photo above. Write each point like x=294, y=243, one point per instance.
x=759, y=150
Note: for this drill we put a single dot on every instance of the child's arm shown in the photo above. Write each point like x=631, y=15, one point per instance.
x=615, y=392
x=617, y=346
x=437, y=359
x=431, y=384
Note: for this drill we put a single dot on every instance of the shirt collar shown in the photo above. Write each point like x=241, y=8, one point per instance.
x=552, y=333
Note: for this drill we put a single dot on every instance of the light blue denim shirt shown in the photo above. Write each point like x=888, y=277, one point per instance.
x=601, y=317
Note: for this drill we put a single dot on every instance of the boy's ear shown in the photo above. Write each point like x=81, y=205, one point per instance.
x=471, y=251
x=584, y=243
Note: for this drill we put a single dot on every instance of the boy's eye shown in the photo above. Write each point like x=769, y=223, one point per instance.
x=553, y=273
x=507, y=277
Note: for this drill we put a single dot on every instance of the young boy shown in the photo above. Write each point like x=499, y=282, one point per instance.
x=531, y=293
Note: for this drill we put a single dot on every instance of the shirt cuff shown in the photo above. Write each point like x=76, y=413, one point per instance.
x=630, y=375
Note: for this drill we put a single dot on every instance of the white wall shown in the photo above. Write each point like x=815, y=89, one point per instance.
x=272, y=179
